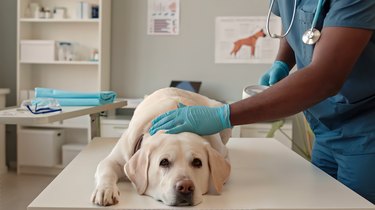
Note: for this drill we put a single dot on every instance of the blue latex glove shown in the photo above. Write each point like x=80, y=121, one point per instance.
x=278, y=71
x=201, y=120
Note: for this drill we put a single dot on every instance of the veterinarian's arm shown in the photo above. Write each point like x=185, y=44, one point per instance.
x=286, y=53
x=332, y=62
x=285, y=61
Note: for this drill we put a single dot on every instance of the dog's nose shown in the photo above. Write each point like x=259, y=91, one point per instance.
x=185, y=190
x=185, y=186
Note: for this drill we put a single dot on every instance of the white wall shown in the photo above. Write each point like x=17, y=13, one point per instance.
x=8, y=50
x=8, y=40
x=142, y=63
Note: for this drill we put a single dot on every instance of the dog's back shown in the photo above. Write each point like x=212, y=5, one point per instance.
x=164, y=100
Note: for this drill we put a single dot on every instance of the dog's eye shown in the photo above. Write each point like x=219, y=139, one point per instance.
x=164, y=163
x=197, y=163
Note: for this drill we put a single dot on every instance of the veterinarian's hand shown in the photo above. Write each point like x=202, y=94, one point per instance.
x=201, y=120
x=278, y=71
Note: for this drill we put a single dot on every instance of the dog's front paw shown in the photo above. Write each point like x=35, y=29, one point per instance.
x=105, y=195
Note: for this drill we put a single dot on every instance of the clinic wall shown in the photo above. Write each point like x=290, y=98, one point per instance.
x=8, y=76
x=142, y=63
x=8, y=50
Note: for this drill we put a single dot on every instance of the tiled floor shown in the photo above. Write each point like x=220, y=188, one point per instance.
x=18, y=191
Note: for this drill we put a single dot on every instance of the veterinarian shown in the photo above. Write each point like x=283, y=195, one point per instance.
x=334, y=86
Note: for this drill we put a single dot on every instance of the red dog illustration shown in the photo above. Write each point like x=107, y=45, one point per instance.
x=249, y=41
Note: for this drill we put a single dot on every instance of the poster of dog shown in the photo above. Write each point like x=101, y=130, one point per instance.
x=245, y=40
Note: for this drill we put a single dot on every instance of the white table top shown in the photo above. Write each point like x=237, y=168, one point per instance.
x=16, y=116
x=265, y=175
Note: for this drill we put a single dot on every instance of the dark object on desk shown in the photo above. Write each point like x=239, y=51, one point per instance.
x=192, y=86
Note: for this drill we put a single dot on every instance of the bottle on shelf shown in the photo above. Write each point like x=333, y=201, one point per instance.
x=95, y=55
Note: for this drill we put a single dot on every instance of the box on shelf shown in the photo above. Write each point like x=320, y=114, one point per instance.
x=37, y=50
x=83, y=10
x=70, y=151
x=40, y=147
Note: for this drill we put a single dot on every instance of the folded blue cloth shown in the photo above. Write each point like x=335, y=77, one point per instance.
x=71, y=98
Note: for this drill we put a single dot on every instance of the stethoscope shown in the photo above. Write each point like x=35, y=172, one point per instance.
x=310, y=37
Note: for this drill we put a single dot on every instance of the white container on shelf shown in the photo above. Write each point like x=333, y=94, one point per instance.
x=37, y=50
x=40, y=147
x=70, y=151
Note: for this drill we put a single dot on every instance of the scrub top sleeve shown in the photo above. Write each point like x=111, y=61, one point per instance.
x=275, y=9
x=351, y=13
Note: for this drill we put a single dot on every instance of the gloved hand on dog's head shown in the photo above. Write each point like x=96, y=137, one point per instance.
x=202, y=120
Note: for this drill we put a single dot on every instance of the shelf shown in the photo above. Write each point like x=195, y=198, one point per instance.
x=44, y=69
x=38, y=20
x=64, y=62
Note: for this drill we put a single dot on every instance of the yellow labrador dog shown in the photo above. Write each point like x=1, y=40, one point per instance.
x=176, y=169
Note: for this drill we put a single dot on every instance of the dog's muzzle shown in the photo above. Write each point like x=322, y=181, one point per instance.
x=184, y=191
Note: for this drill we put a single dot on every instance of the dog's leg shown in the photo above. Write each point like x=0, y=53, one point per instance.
x=237, y=46
x=107, y=173
x=252, y=50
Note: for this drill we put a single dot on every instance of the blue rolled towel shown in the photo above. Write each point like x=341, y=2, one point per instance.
x=72, y=98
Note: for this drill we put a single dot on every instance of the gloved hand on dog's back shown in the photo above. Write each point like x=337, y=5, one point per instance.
x=202, y=120
x=278, y=71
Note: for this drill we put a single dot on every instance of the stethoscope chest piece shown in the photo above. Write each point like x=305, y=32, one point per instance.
x=311, y=36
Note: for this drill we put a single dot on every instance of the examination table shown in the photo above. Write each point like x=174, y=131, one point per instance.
x=265, y=175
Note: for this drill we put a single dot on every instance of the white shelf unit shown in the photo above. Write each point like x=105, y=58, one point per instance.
x=72, y=20
x=82, y=74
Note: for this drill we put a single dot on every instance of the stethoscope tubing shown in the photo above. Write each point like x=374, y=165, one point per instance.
x=317, y=13
x=313, y=24
x=269, y=17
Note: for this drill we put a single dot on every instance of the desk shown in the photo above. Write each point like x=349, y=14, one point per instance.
x=14, y=116
x=265, y=175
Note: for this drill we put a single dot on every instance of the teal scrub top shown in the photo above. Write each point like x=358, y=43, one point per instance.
x=346, y=121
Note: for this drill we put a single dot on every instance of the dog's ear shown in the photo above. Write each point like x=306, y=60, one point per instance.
x=136, y=169
x=219, y=168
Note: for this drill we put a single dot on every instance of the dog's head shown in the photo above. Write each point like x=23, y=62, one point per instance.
x=260, y=33
x=177, y=169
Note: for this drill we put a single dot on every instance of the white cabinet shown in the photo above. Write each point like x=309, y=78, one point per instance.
x=40, y=146
x=114, y=126
x=81, y=25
